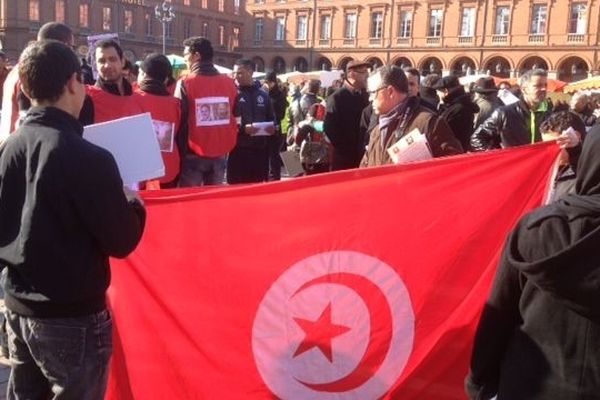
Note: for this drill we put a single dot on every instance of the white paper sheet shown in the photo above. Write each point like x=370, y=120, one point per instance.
x=133, y=143
x=411, y=147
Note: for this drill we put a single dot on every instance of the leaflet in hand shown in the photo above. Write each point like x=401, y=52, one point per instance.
x=411, y=147
x=264, y=128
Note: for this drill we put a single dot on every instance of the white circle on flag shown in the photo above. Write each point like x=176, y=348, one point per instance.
x=335, y=325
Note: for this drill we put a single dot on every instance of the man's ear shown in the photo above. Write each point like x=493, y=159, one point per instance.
x=72, y=83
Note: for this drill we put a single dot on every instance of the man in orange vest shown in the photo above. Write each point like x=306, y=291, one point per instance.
x=112, y=96
x=209, y=130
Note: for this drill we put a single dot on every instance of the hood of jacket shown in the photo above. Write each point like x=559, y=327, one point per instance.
x=556, y=246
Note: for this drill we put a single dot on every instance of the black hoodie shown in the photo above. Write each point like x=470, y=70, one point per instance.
x=539, y=334
x=62, y=214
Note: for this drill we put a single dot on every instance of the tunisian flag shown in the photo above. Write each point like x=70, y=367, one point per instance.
x=362, y=284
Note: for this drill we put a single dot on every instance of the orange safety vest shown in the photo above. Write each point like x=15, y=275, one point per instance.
x=166, y=118
x=212, y=128
x=108, y=106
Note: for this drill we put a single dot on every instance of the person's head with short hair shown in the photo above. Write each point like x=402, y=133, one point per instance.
x=2, y=60
x=271, y=80
x=50, y=75
x=313, y=86
x=414, y=80
x=534, y=84
x=57, y=31
x=155, y=67
x=109, y=60
x=357, y=73
x=387, y=88
x=197, y=49
x=243, y=70
x=579, y=102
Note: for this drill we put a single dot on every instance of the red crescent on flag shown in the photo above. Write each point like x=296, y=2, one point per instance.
x=380, y=334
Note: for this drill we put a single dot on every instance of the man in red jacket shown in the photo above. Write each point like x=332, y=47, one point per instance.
x=209, y=129
x=112, y=96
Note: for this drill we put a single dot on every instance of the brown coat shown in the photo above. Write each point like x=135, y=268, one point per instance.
x=439, y=135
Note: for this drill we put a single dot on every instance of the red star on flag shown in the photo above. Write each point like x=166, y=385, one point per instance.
x=319, y=333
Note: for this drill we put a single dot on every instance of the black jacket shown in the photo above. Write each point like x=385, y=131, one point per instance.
x=508, y=126
x=459, y=112
x=342, y=126
x=62, y=214
x=539, y=334
x=279, y=103
x=252, y=105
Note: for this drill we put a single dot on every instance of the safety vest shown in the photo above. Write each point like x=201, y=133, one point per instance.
x=212, y=128
x=166, y=118
x=108, y=106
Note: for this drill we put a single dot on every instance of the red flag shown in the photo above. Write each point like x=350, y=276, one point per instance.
x=361, y=284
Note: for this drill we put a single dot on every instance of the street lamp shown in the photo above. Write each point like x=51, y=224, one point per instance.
x=165, y=15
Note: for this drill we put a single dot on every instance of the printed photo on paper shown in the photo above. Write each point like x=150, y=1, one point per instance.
x=165, y=133
x=211, y=111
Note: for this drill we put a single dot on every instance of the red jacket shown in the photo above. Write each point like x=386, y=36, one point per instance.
x=108, y=107
x=210, y=99
x=166, y=117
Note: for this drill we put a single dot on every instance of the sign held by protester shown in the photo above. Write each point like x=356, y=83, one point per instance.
x=133, y=143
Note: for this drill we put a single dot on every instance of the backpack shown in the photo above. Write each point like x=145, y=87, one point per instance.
x=314, y=151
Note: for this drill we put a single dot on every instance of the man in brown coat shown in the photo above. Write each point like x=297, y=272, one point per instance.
x=399, y=114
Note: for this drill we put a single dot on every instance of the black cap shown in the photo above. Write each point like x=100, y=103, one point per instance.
x=485, y=85
x=447, y=82
x=156, y=66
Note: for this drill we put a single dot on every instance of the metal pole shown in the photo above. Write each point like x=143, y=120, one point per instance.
x=164, y=13
x=164, y=34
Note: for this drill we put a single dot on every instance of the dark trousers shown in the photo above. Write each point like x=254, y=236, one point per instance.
x=275, y=146
x=59, y=358
x=248, y=165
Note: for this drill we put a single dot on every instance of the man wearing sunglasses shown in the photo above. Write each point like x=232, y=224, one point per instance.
x=400, y=114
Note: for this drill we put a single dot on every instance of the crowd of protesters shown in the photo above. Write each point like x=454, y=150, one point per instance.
x=215, y=129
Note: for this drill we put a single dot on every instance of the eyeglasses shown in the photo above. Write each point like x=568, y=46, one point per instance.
x=374, y=92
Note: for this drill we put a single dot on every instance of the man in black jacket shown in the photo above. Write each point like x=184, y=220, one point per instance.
x=248, y=162
x=518, y=123
x=342, y=121
x=539, y=335
x=63, y=213
x=458, y=109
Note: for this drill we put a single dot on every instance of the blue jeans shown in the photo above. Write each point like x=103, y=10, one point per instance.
x=59, y=358
x=199, y=171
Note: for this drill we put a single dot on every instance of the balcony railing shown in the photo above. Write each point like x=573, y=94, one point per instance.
x=500, y=39
x=405, y=41
x=575, y=38
x=300, y=42
x=537, y=38
x=434, y=40
x=258, y=43
x=465, y=39
x=278, y=42
x=375, y=41
x=324, y=42
x=349, y=41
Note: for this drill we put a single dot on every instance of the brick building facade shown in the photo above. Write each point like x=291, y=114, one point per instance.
x=503, y=37
x=140, y=32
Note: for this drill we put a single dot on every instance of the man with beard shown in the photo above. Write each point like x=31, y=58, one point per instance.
x=539, y=334
x=112, y=96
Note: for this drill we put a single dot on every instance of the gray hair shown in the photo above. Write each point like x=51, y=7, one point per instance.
x=526, y=77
